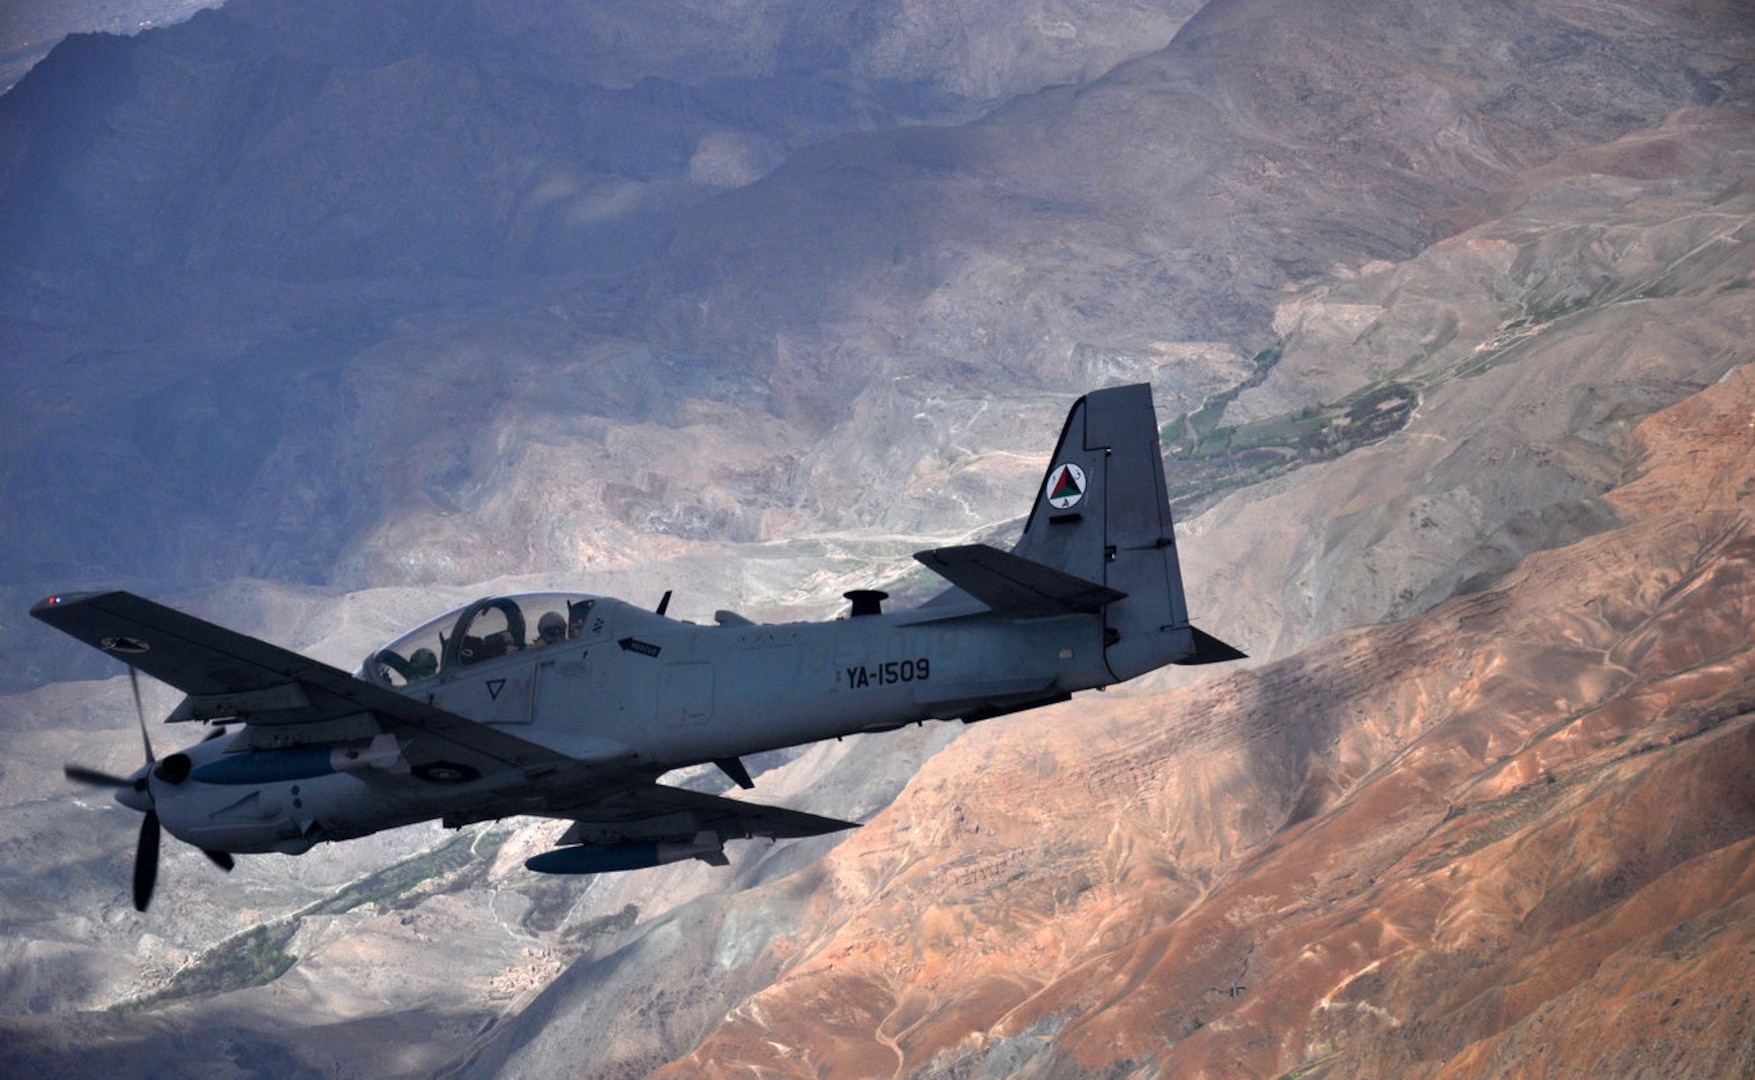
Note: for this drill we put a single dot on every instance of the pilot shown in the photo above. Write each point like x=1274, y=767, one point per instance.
x=550, y=628
x=422, y=664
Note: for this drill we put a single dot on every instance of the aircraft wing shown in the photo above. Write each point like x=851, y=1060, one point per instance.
x=285, y=698
x=1013, y=585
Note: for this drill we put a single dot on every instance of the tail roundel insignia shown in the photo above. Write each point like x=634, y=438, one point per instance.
x=1066, y=486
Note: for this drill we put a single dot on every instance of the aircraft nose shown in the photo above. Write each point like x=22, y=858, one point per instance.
x=134, y=796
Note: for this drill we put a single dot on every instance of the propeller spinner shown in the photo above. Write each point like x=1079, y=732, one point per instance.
x=135, y=792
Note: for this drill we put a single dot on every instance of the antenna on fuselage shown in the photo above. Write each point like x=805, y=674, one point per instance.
x=664, y=602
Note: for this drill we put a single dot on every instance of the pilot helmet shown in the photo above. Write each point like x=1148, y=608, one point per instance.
x=551, y=627
x=421, y=664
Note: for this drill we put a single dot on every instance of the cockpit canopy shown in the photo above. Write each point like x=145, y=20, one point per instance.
x=485, y=630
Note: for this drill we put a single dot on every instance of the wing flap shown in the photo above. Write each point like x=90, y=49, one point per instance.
x=1013, y=585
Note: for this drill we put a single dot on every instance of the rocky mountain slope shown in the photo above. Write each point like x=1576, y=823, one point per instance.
x=1418, y=287
x=1513, y=836
x=1331, y=862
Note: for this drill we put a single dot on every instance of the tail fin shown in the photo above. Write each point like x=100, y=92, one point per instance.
x=1103, y=515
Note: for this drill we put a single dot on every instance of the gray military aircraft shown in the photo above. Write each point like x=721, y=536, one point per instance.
x=569, y=705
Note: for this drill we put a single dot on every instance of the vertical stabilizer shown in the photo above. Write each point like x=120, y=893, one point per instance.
x=1103, y=514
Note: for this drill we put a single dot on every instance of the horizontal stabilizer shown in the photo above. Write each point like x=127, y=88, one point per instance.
x=1210, y=650
x=1013, y=585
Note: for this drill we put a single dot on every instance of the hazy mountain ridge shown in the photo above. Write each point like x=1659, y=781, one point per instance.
x=29, y=29
x=891, y=358
x=554, y=138
x=207, y=205
x=928, y=254
x=1219, y=179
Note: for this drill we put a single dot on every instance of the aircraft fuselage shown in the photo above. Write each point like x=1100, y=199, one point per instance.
x=572, y=705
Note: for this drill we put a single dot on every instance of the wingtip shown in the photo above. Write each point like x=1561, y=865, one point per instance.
x=48, y=605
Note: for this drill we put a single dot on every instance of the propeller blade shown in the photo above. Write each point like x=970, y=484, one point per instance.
x=221, y=859
x=140, y=711
x=146, y=861
x=79, y=774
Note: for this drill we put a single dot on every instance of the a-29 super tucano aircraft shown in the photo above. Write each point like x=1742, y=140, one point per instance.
x=572, y=706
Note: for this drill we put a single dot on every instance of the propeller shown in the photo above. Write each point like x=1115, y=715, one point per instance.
x=140, y=712
x=173, y=770
x=146, y=860
x=79, y=774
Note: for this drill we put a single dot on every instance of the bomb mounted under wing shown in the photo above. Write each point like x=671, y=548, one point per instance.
x=571, y=705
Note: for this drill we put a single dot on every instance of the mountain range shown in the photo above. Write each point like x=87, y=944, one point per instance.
x=321, y=318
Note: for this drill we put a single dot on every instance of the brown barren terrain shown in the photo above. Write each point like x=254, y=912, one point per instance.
x=1513, y=837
